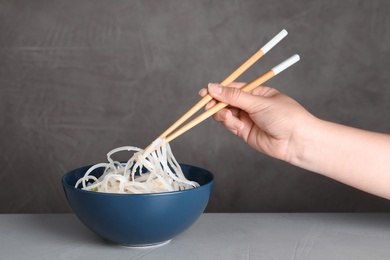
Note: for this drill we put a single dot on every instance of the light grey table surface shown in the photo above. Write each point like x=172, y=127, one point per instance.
x=213, y=236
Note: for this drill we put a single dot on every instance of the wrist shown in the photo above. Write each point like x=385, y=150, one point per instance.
x=302, y=141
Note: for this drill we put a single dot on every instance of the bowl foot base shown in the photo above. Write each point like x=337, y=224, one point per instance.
x=148, y=246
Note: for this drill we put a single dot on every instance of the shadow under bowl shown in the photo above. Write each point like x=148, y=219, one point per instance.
x=139, y=220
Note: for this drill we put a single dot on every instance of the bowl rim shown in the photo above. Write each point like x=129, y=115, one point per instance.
x=165, y=193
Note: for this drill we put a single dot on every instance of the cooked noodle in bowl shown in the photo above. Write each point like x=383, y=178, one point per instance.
x=147, y=171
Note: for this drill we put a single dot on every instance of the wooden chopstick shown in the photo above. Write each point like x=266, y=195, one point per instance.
x=255, y=57
x=247, y=88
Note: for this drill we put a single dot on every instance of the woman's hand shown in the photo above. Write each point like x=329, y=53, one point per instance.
x=277, y=125
x=266, y=119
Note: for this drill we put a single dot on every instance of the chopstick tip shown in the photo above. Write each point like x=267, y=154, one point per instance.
x=285, y=64
x=275, y=40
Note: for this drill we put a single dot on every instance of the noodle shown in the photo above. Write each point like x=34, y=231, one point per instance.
x=150, y=171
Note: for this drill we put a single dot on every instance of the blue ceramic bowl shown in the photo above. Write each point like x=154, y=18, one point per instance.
x=139, y=219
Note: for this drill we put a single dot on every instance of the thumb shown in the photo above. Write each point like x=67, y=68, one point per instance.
x=234, y=97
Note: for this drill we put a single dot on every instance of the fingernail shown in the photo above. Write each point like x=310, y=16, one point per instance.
x=210, y=104
x=225, y=114
x=215, y=88
x=238, y=125
x=202, y=92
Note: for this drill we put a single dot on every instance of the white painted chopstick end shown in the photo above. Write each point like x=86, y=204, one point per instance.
x=285, y=64
x=283, y=33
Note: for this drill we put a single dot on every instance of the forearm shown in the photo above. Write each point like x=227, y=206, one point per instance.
x=355, y=157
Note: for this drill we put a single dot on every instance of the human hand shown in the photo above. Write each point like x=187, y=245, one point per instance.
x=277, y=125
x=265, y=118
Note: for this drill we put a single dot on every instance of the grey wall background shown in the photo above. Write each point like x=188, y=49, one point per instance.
x=79, y=78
